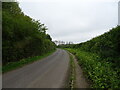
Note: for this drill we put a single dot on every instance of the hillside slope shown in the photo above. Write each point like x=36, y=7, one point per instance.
x=106, y=45
x=100, y=58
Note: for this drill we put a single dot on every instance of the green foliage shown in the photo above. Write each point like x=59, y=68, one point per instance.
x=100, y=58
x=106, y=45
x=72, y=73
x=100, y=72
x=22, y=36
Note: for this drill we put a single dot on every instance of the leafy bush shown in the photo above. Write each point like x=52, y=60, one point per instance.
x=100, y=72
x=22, y=36
x=106, y=45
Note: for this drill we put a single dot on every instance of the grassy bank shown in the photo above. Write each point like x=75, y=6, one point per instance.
x=71, y=81
x=99, y=72
x=14, y=65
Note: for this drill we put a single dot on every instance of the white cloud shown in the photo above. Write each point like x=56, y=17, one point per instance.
x=74, y=21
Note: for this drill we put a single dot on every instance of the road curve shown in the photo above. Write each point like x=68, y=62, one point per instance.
x=47, y=73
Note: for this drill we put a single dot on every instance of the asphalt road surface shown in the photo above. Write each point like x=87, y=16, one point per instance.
x=47, y=73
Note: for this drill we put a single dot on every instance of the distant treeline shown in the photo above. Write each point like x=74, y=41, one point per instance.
x=106, y=45
x=22, y=36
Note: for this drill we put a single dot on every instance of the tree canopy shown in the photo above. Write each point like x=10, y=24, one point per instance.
x=22, y=36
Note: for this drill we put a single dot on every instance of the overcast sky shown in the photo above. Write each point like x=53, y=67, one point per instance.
x=73, y=20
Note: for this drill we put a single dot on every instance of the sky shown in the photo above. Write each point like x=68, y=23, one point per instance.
x=73, y=20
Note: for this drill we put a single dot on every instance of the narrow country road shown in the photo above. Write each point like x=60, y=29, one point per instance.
x=47, y=73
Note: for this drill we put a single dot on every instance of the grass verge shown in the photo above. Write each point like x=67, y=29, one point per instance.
x=99, y=72
x=71, y=81
x=14, y=65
